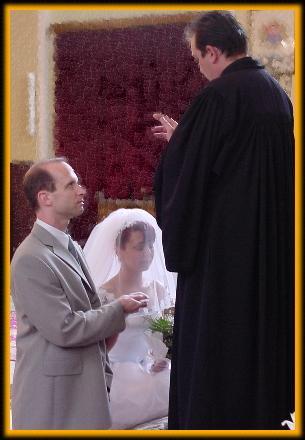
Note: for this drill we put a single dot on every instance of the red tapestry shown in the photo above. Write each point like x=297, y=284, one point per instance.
x=108, y=85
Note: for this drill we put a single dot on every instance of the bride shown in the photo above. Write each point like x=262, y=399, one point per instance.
x=125, y=255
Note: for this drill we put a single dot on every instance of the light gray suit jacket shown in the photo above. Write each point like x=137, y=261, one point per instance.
x=62, y=367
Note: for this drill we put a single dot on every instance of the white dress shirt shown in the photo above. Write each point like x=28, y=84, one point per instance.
x=61, y=236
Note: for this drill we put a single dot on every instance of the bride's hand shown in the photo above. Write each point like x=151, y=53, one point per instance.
x=133, y=302
x=160, y=365
x=167, y=127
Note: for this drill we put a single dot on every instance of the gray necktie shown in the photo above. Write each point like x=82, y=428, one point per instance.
x=72, y=250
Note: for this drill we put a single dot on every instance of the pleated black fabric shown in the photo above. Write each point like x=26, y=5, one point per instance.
x=225, y=203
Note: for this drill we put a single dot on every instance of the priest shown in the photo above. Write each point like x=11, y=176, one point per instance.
x=225, y=203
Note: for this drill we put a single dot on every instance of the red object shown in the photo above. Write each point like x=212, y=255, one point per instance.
x=108, y=85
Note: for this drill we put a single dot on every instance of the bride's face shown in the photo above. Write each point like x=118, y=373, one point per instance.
x=137, y=254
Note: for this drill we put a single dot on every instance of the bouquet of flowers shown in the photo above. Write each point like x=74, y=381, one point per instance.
x=164, y=324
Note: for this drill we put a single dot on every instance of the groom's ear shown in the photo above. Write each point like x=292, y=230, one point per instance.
x=43, y=198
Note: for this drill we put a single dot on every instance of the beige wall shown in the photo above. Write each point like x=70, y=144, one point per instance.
x=23, y=59
x=63, y=16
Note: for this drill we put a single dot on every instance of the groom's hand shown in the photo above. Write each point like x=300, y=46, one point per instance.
x=133, y=302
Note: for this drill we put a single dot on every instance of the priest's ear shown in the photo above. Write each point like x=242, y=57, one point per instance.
x=213, y=53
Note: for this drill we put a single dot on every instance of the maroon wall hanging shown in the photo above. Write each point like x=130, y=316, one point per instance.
x=108, y=84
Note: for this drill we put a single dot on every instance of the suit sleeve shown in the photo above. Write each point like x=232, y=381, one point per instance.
x=182, y=179
x=40, y=294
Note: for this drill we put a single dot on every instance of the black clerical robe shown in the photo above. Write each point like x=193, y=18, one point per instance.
x=225, y=203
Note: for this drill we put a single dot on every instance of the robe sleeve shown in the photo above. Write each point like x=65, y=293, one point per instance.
x=182, y=178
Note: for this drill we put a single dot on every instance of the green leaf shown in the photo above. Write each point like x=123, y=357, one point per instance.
x=163, y=325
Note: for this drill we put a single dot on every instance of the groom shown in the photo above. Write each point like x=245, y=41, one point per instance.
x=62, y=376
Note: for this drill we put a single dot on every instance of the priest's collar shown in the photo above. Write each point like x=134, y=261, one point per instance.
x=241, y=64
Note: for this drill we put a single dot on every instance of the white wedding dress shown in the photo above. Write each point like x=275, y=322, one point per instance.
x=137, y=395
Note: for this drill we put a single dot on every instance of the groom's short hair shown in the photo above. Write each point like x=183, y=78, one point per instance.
x=38, y=178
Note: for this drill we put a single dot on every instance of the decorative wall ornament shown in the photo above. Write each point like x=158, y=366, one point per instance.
x=31, y=79
x=106, y=206
x=272, y=43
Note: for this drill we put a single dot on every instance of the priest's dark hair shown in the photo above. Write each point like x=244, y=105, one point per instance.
x=219, y=29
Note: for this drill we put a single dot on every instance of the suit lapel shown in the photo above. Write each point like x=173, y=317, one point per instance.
x=58, y=249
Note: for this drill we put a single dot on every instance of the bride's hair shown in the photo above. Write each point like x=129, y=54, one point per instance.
x=148, y=232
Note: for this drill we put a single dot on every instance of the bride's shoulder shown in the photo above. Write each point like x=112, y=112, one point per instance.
x=109, y=286
x=159, y=287
x=162, y=294
x=106, y=292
